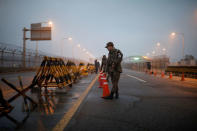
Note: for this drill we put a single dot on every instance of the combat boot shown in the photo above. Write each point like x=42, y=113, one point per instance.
x=117, y=95
x=111, y=96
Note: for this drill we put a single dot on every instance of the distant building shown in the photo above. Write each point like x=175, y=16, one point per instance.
x=141, y=62
x=189, y=60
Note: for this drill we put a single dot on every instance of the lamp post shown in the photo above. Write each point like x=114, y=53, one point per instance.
x=62, y=49
x=182, y=35
x=164, y=51
x=153, y=52
x=24, y=42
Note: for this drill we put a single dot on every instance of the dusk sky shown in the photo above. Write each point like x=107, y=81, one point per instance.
x=135, y=26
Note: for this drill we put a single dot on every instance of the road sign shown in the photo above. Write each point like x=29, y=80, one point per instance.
x=40, y=33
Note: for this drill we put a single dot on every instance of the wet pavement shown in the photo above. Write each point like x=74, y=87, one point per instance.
x=146, y=103
x=13, y=78
x=53, y=103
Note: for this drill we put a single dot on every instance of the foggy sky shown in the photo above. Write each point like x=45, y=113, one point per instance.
x=135, y=26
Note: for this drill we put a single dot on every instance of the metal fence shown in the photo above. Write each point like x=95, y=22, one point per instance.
x=12, y=56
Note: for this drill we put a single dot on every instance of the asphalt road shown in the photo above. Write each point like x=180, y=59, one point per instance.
x=146, y=103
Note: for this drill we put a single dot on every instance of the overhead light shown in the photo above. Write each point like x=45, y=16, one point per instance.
x=136, y=58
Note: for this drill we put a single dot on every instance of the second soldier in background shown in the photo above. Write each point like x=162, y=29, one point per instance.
x=104, y=63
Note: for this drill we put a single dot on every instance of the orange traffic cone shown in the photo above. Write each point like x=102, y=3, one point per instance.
x=182, y=77
x=100, y=75
x=104, y=74
x=155, y=73
x=162, y=74
x=105, y=88
x=101, y=81
x=170, y=75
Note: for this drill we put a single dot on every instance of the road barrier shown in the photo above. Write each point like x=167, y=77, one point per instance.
x=83, y=70
x=6, y=107
x=91, y=68
x=53, y=72
x=73, y=70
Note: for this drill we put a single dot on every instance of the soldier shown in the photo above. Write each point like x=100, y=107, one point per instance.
x=113, y=68
x=104, y=63
x=96, y=66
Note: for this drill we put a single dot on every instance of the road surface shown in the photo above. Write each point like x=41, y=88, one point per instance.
x=146, y=103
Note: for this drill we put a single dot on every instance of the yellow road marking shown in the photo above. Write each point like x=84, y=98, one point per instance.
x=67, y=117
x=137, y=78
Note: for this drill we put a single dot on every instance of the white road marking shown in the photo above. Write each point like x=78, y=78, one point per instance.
x=136, y=78
x=69, y=114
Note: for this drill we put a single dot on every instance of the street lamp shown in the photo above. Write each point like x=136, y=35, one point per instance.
x=50, y=23
x=153, y=52
x=164, y=50
x=78, y=45
x=173, y=34
x=70, y=38
x=66, y=38
x=182, y=35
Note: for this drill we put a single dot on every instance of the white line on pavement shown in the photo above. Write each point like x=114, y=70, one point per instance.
x=136, y=78
x=68, y=116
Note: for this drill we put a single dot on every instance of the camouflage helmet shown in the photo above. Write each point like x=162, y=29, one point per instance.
x=109, y=44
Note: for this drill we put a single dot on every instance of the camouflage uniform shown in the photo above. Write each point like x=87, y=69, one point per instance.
x=114, y=68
